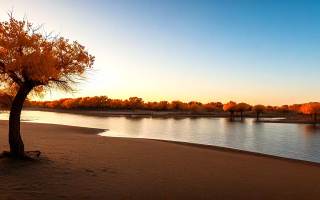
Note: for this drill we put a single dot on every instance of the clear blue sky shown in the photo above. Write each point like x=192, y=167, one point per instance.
x=264, y=52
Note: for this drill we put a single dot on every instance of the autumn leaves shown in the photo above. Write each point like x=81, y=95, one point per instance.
x=312, y=108
x=29, y=55
x=33, y=61
x=233, y=107
x=192, y=107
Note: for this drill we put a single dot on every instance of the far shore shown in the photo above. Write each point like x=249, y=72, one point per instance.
x=285, y=118
x=76, y=163
x=142, y=113
x=292, y=121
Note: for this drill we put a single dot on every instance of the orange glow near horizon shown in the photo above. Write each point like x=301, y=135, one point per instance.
x=141, y=54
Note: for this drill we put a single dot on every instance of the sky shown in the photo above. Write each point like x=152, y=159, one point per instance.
x=258, y=52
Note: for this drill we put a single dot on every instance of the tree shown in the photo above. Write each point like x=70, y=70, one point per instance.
x=126, y=104
x=194, y=102
x=85, y=102
x=243, y=107
x=218, y=104
x=258, y=109
x=135, y=102
x=71, y=103
x=312, y=108
x=270, y=108
x=209, y=107
x=195, y=108
x=284, y=108
x=294, y=108
x=230, y=107
x=34, y=63
x=176, y=104
x=163, y=105
x=98, y=101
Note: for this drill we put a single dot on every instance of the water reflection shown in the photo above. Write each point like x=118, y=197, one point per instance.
x=177, y=118
x=288, y=140
x=312, y=129
x=235, y=119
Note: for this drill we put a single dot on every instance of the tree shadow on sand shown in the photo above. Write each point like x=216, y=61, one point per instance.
x=28, y=155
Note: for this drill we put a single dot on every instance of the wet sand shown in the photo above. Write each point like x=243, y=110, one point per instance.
x=76, y=163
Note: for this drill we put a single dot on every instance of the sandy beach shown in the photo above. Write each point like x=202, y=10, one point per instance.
x=76, y=163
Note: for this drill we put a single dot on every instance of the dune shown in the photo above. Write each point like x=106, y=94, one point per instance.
x=76, y=163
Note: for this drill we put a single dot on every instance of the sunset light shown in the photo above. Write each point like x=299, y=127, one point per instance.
x=209, y=51
x=159, y=99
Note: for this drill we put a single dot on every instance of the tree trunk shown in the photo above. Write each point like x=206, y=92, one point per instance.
x=241, y=114
x=15, y=141
x=231, y=117
x=315, y=116
x=258, y=116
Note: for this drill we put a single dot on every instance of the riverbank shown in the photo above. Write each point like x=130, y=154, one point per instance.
x=292, y=121
x=76, y=163
x=154, y=114
x=266, y=118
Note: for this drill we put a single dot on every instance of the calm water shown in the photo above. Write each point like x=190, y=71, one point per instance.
x=297, y=141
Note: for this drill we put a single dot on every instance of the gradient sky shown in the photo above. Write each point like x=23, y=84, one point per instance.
x=264, y=52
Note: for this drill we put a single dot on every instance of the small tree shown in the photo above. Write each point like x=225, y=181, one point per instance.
x=294, y=108
x=98, y=101
x=230, y=107
x=126, y=104
x=176, y=104
x=258, y=109
x=163, y=105
x=209, y=107
x=195, y=108
x=135, y=102
x=312, y=108
x=33, y=62
x=218, y=105
x=243, y=107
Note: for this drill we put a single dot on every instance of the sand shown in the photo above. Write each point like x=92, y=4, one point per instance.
x=76, y=163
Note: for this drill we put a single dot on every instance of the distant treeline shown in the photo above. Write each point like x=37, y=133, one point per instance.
x=134, y=103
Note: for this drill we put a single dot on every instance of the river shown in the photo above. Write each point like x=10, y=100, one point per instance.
x=298, y=141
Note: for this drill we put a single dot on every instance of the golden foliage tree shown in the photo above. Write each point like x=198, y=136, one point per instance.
x=312, y=108
x=195, y=108
x=176, y=104
x=135, y=102
x=258, y=109
x=164, y=105
x=243, y=107
x=31, y=61
x=98, y=101
x=231, y=107
x=295, y=108
x=209, y=107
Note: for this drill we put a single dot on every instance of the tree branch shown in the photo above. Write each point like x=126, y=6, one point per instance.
x=14, y=77
x=56, y=80
x=2, y=65
x=10, y=97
